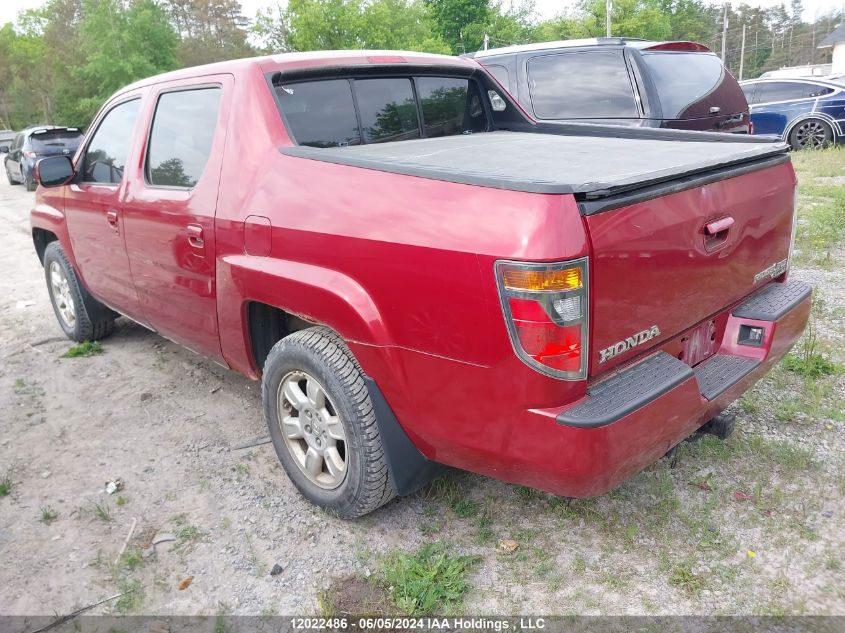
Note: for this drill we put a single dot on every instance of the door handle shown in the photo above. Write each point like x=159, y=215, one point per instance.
x=195, y=236
x=111, y=218
x=717, y=226
x=715, y=109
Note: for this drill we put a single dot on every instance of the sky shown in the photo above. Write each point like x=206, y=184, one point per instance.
x=545, y=8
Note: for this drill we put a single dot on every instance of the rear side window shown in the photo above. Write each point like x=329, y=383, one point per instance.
x=320, y=113
x=388, y=109
x=589, y=85
x=770, y=91
x=182, y=133
x=105, y=157
x=341, y=112
x=450, y=106
x=682, y=79
x=501, y=75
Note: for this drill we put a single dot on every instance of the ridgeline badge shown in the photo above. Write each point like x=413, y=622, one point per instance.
x=629, y=343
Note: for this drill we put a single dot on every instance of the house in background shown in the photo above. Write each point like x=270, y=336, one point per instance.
x=836, y=41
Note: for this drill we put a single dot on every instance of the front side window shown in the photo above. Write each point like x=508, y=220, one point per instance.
x=588, y=85
x=450, y=106
x=182, y=133
x=388, y=109
x=105, y=157
x=682, y=79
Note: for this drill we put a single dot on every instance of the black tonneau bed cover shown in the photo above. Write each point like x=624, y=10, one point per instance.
x=590, y=165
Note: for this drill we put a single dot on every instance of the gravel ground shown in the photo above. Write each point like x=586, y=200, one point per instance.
x=168, y=423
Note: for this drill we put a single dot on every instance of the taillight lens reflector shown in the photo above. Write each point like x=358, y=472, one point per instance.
x=545, y=308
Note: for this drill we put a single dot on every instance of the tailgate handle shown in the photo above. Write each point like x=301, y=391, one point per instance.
x=717, y=226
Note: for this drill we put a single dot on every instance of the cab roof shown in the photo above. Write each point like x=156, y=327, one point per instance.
x=313, y=59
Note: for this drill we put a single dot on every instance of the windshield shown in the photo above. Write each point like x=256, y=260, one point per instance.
x=682, y=79
x=55, y=140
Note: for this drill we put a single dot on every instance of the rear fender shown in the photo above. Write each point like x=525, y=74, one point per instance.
x=316, y=294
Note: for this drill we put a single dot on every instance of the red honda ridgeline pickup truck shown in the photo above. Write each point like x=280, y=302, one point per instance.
x=420, y=274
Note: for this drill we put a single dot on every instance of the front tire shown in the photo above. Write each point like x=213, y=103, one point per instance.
x=82, y=317
x=811, y=134
x=322, y=423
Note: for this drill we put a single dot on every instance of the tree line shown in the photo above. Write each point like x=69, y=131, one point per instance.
x=59, y=62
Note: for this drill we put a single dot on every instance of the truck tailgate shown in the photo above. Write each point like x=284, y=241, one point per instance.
x=657, y=270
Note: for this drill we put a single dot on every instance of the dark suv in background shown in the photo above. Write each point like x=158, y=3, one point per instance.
x=622, y=82
x=34, y=142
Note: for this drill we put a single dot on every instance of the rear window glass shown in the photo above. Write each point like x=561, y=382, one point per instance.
x=46, y=141
x=341, y=112
x=593, y=85
x=388, y=109
x=682, y=79
x=450, y=106
x=320, y=113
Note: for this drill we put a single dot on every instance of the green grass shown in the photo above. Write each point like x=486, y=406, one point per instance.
x=811, y=365
x=131, y=559
x=821, y=205
x=83, y=350
x=683, y=577
x=132, y=598
x=5, y=485
x=101, y=511
x=121, y=501
x=48, y=515
x=430, y=581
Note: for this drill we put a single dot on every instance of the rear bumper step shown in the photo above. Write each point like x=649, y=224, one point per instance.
x=719, y=373
x=617, y=397
x=627, y=391
x=773, y=301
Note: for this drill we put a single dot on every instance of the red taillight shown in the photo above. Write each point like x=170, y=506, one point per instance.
x=545, y=308
x=750, y=126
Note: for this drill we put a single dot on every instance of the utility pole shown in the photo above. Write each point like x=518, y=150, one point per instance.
x=724, y=33
x=742, y=54
x=608, y=9
x=486, y=41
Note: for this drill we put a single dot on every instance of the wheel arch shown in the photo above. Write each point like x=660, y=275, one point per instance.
x=260, y=298
x=834, y=125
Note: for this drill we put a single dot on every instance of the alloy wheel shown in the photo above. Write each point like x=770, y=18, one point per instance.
x=312, y=429
x=811, y=135
x=60, y=290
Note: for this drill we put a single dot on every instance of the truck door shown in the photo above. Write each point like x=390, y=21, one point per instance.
x=93, y=207
x=170, y=206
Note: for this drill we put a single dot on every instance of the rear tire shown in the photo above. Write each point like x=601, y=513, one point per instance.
x=80, y=315
x=322, y=423
x=29, y=183
x=811, y=134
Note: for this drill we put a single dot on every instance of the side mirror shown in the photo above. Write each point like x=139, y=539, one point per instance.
x=4, y=149
x=54, y=171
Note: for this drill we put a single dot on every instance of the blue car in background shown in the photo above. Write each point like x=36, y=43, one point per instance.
x=806, y=113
